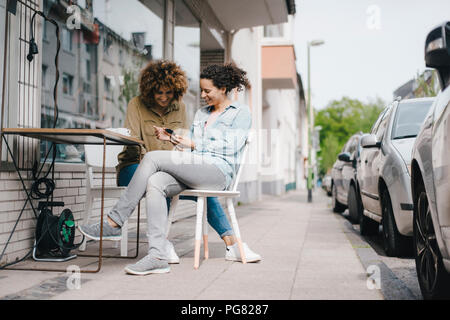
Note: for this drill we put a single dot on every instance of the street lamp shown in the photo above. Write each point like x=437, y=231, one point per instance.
x=313, y=43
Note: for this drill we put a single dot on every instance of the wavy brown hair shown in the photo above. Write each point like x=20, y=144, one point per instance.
x=161, y=73
x=227, y=76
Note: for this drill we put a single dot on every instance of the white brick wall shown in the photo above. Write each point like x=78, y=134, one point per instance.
x=70, y=188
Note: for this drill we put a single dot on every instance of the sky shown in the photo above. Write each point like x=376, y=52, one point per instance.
x=371, y=47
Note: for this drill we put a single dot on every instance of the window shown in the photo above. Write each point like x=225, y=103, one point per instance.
x=67, y=84
x=87, y=87
x=44, y=77
x=108, y=88
x=383, y=124
x=375, y=125
x=121, y=61
x=352, y=147
x=274, y=31
x=86, y=96
x=107, y=43
x=45, y=29
x=67, y=37
x=187, y=54
x=409, y=118
x=90, y=111
x=88, y=70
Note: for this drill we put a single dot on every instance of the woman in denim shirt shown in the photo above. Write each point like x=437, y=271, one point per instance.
x=216, y=140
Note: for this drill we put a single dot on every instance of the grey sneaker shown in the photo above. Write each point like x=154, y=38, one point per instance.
x=148, y=265
x=92, y=231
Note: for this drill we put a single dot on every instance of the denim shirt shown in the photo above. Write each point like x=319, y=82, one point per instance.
x=222, y=142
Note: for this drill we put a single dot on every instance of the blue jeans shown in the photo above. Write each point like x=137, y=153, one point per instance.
x=215, y=214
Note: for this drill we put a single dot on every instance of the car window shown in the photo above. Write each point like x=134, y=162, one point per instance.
x=358, y=146
x=344, y=149
x=375, y=125
x=352, y=147
x=383, y=124
x=409, y=118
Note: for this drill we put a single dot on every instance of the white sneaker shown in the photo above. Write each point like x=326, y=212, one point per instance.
x=233, y=254
x=172, y=255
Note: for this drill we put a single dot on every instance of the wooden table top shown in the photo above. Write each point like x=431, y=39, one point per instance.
x=74, y=136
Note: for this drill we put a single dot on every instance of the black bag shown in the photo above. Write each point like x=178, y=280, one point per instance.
x=55, y=235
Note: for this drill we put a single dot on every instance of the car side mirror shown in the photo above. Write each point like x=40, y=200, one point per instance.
x=370, y=141
x=437, y=52
x=344, y=156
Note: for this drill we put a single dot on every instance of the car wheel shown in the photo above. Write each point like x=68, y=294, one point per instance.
x=433, y=279
x=355, y=207
x=367, y=226
x=395, y=244
x=335, y=204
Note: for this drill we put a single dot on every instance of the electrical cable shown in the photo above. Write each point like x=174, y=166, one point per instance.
x=33, y=50
x=49, y=183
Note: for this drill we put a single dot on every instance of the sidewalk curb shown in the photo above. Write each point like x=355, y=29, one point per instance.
x=391, y=287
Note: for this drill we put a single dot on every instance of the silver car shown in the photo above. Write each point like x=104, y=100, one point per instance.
x=430, y=178
x=384, y=177
x=327, y=184
x=344, y=185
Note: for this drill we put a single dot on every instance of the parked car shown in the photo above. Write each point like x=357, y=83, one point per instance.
x=384, y=176
x=344, y=182
x=430, y=178
x=326, y=185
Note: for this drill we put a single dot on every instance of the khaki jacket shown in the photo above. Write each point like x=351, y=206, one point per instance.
x=140, y=119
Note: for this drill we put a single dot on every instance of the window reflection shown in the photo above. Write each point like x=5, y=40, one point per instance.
x=99, y=63
x=187, y=54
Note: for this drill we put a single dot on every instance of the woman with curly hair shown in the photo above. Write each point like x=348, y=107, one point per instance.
x=162, y=84
x=217, y=137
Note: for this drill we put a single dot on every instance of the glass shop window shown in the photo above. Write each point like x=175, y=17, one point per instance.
x=97, y=51
x=187, y=54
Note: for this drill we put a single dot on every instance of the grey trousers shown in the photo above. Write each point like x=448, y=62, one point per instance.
x=163, y=174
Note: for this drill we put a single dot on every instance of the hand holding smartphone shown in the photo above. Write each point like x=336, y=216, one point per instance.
x=173, y=138
x=161, y=133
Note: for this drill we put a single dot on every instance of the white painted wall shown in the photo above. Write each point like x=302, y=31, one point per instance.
x=280, y=116
x=275, y=116
x=246, y=53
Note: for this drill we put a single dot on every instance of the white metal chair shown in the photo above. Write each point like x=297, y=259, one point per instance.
x=94, y=159
x=201, y=222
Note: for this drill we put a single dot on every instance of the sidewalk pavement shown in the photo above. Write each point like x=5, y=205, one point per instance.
x=306, y=255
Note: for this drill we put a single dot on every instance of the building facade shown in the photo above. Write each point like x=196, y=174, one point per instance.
x=425, y=84
x=98, y=65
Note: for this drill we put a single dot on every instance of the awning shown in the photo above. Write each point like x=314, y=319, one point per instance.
x=237, y=14
x=278, y=67
x=219, y=16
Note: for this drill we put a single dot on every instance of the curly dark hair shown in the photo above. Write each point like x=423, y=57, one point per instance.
x=227, y=76
x=161, y=73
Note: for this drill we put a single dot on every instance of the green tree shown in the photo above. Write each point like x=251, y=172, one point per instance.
x=332, y=147
x=130, y=88
x=339, y=121
x=427, y=84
